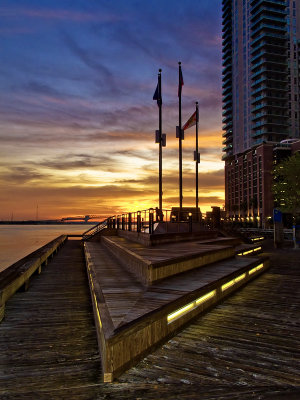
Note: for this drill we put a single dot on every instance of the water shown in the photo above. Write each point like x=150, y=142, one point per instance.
x=16, y=241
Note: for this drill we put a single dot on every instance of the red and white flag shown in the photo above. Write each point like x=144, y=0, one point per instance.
x=191, y=121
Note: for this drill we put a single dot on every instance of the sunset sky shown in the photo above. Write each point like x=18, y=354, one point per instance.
x=77, y=118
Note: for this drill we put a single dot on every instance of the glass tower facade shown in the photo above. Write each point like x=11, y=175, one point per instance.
x=261, y=42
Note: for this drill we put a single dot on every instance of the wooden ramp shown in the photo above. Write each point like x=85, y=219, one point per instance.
x=47, y=338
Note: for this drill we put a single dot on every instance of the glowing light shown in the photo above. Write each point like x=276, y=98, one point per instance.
x=257, y=238
x=239, y=278
x=205, y=297
x=243, y=253
x=260, y=266
x=180, y=312
x=232, y=282
x=227, y=285
x=191, y=306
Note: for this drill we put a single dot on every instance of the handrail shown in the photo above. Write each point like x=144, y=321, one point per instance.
x=95, y=229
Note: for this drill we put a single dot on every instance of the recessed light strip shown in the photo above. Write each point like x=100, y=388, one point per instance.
x=189, y=307
x=232, y=282
x=260, y=266
x=243, y=253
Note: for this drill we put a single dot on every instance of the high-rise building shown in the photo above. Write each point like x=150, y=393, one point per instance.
x=261, y=89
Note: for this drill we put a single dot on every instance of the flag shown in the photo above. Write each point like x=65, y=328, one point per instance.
x=181, y=83
x=191, y=121
x=157, y=96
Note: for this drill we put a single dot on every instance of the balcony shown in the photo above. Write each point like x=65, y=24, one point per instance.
x=228, y=147
x=227, y=59
x=276, y=4
x=258, y=90
x=228, y=110
x=227, y=118
x=227, y=133
x=259, y=98
x=268, y=54
x=268, y=35
x=268, y=27
x=268, y=17
x=227, y=97
x=227, y=126
x=277, y=11
x=259, y=107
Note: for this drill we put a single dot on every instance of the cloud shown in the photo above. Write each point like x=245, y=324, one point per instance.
x=90, y=59
x=75, y=162
x=21, y=175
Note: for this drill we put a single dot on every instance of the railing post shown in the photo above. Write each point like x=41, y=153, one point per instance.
x=138, y=222
x=118, y=222
x=123, y=222
x=114, y=222
x=151, y=221
x=190, y=222
x=129, y=221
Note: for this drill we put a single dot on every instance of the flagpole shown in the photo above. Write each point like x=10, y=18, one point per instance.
x=197, y=196
x=180, y=141
x=160, y=142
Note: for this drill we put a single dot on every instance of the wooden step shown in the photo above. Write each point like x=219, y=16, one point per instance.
x=248, y=249
x=150, y=264
x=132, y=319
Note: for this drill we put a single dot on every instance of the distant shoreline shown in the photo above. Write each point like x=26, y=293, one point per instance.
x=46, y=223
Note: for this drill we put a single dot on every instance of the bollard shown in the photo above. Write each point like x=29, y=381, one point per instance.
x=129, y=221
x=138, y=221
x=190, y=222
x=151, y=221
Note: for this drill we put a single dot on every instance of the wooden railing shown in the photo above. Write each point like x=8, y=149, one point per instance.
x=146, y=221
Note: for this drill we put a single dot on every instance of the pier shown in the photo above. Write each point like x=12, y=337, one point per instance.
x=223, y=331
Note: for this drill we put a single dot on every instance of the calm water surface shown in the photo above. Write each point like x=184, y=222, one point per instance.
x=16, y=241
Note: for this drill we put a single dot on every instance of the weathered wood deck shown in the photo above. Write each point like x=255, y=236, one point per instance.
x=48, y=339
x=245, y=348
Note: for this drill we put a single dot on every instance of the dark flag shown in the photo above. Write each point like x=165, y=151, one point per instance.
x=181, y=83
x=157, y=96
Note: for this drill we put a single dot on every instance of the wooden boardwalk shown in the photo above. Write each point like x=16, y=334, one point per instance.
x=245, y=348
x=48, y=339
